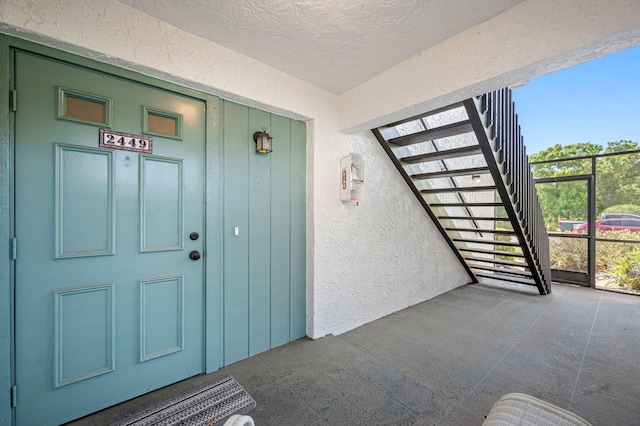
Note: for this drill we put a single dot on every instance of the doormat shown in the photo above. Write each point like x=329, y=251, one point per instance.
x=207, y=405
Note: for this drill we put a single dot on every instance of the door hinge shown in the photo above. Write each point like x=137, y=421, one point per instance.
x=14, y=396
x=13, y=100
x=14, y=248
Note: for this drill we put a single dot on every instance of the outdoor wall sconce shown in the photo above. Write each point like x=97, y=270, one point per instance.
x=263, y=141
x=475, y=179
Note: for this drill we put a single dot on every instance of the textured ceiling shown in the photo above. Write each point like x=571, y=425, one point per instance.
x=334, y=44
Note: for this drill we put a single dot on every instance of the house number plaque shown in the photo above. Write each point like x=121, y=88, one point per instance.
x=125, y=141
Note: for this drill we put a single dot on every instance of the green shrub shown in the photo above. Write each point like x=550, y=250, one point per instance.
x=623, y=208
x=608, y=253
x=626, y=269
x=571, y=253
x=568, y=253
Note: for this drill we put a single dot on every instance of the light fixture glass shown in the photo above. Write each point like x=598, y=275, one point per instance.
x=475, y=179
x=263, y=141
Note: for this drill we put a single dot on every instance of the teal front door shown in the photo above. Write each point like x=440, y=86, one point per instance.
x=109, y=284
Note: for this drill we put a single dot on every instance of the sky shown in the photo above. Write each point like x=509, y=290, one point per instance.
x=598, y=102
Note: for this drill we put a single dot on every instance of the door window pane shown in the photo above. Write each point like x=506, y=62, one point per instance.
x=83, y=107
x=162, y=123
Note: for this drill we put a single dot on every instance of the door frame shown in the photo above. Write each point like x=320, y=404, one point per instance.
x=587, y=279
x=213, y=191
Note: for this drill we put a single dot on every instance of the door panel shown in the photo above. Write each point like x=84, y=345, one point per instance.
x=108, y=303
x=83, y=349
x=161, y=189
x=84, y=207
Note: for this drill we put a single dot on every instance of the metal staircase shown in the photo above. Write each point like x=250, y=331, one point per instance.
x=467, y=165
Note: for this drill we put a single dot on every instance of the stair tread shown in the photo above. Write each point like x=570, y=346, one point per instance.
x=429, y=114
x=452, y=173
x=502, y=270
x=491, y=242
x=459, y=189
x=496, y=261
x=493, y=252
x=434, y=133
x=470, y=204
x=443, y=155
x=493, y=219
x=490, y=231
x=508, y=278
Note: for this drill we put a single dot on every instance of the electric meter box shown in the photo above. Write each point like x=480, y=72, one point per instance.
x=352, y=179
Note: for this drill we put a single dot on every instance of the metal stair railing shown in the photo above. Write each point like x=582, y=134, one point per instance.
x=496, y=126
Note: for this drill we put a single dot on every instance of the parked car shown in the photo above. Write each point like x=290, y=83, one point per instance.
x=619, y=215
x=569, y=225
x=629, y=224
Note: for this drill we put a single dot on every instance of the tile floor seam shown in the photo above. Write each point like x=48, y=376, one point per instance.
x=364, y=378
x=505, y=355
x=584, y=353
x=410, y=365
x=461, y=330
x=513, y=346
x=393, y=331
x=456, y=395
x=354, y=372
x=436, y=310
x=289, y=387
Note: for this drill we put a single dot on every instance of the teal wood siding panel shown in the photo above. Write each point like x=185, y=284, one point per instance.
x=280, y=228
x=236, y=251
x=259, y=237
x=214, y=238
x=298, y=269
x=264, y=266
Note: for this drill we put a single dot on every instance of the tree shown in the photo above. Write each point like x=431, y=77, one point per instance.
x=563, y=200
x=617, y=179
x=564, y=168
x=618, y=176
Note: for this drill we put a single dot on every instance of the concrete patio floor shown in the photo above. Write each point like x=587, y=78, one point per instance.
x=446, y=361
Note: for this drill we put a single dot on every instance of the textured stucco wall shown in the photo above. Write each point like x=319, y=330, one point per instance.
x=375, y=258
